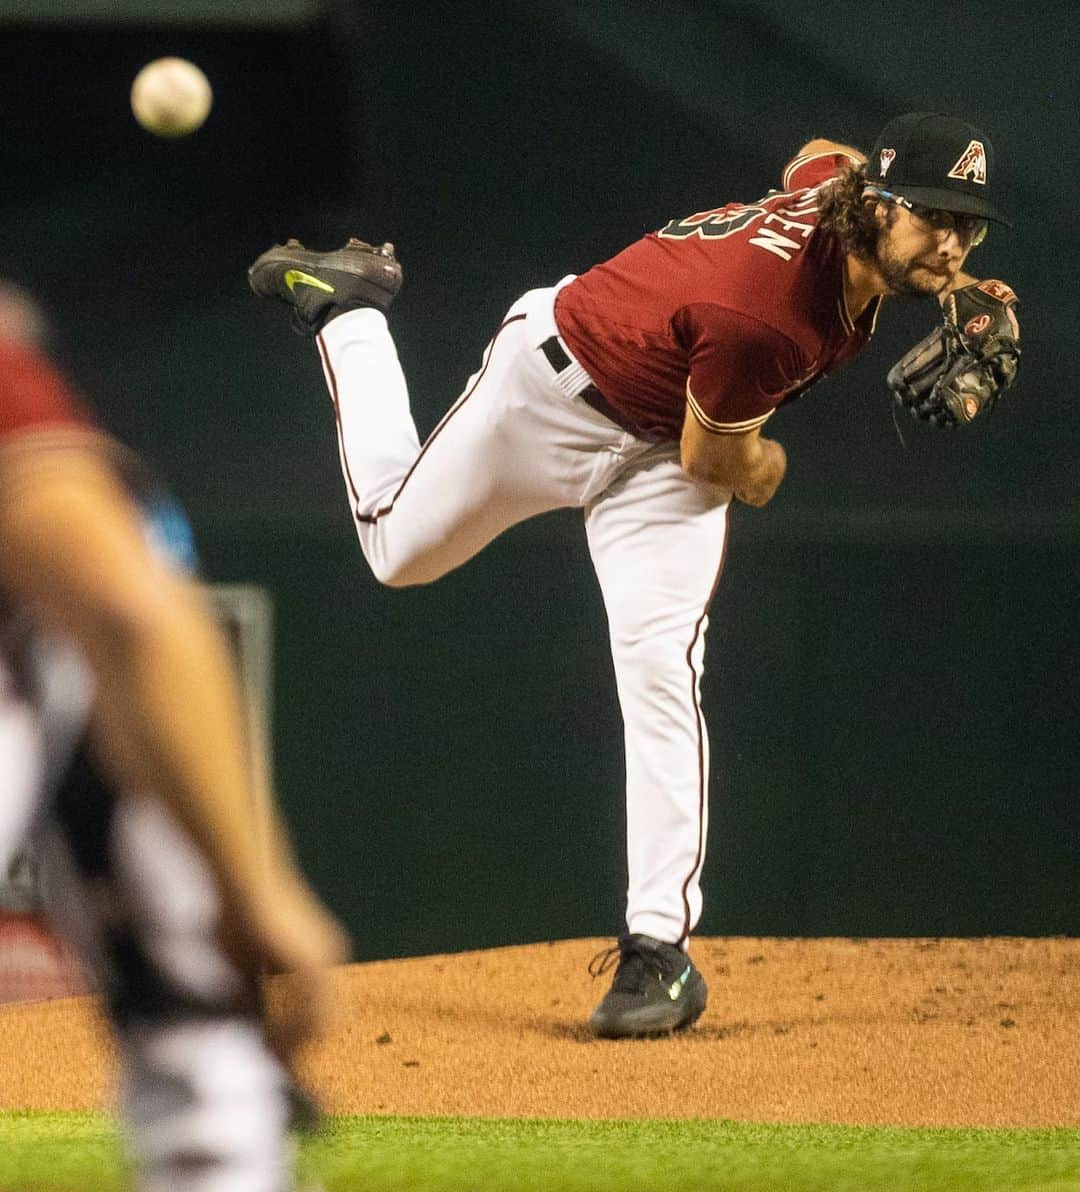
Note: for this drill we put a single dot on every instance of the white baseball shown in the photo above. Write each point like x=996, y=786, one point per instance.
x=171, y=97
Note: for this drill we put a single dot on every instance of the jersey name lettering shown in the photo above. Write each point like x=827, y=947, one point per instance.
x=779, y=243
x=776, y=243
x=726, y=221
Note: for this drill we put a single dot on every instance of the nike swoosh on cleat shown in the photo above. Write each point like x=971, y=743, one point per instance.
x=676, y=986
x=297, y=277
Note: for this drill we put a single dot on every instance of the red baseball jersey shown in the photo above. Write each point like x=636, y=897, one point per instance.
x=34, y=397
x=733, y=311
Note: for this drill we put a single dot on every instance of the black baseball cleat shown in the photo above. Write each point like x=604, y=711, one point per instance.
x=656, y=990
x=320, y=285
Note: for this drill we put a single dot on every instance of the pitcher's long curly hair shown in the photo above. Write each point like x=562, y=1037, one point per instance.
x=843, y=212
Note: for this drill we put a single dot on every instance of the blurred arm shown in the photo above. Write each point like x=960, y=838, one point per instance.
x=167, y=715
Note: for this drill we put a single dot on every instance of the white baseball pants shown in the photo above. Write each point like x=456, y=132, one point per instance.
x=519, y=442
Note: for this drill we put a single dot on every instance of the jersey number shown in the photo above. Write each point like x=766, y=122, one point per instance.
x=713, y=225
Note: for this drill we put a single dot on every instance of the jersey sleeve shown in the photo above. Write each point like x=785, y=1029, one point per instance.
x=811, y=169
x=33, y=396
x=740, y=368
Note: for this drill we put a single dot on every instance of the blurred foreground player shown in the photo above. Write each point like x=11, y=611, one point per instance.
x=122, y=762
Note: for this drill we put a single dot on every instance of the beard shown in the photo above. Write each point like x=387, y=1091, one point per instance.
x=906, y=277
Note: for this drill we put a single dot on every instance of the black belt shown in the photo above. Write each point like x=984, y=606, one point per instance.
x=559, y=361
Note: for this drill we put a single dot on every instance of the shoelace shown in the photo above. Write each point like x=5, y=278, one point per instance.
x=603, y=961
x=632, y=972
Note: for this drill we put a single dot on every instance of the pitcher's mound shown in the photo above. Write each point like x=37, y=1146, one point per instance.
x=872, y=1032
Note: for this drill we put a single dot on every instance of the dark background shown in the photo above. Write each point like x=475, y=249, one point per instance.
x=892, y=686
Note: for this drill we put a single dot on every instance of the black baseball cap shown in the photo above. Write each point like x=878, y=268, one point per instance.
x=936, y=161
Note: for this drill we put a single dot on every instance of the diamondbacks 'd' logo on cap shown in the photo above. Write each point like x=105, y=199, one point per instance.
x=888, y=156
x=971, y=164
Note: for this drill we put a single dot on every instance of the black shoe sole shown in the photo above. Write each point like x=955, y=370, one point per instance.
x=634, y=1023
x=623, y=1031
x=359, y=274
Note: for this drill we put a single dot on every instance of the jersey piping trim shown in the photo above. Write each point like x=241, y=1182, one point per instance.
x=725, y=428
x=845, y=314
x=804, y=158
x=877, y=300
x=842, y=303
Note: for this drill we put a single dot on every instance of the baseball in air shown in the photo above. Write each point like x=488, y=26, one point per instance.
x=171, y=97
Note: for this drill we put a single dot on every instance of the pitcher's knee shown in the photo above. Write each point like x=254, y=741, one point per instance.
x=657, y=668
x=405, y=571
x=392, y=577
x=404, y=574
x=662, y=652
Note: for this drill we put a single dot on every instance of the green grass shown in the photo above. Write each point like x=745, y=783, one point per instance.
x=79, y=1153
x=76, y=1151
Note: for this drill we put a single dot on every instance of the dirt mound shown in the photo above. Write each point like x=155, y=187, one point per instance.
x=902, y=1032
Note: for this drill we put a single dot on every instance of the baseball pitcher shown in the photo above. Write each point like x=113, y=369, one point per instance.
x=640, y=392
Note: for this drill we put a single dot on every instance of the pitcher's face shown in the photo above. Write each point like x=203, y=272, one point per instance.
x=920, y=250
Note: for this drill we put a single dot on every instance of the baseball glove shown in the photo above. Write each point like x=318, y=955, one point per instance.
x=962, y=367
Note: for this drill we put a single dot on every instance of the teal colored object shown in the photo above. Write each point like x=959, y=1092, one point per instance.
x=170, y=532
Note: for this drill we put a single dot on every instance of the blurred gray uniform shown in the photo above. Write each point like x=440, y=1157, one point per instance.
x=203, y=1101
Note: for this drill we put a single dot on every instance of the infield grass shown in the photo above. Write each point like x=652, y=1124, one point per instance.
x=80, y=1153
